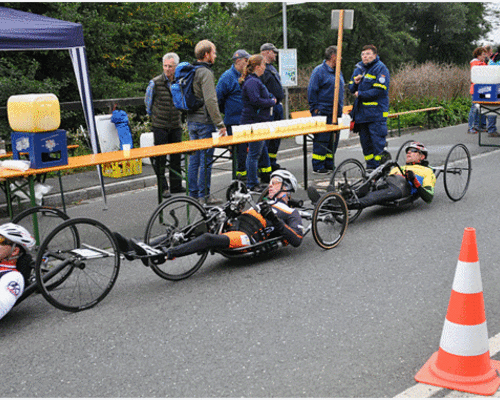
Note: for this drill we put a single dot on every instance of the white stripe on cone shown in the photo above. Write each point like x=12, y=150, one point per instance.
x=464, y=340
x=467, y=278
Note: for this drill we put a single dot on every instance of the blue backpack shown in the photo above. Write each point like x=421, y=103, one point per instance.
x=182, y=88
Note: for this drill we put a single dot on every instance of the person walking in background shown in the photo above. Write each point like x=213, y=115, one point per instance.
x=272, y=81
x=479, y=55
x=370, y=85
x=257, y=105
x=230, y=104
x=320, y=95
x=202, y=122
x=166, y=123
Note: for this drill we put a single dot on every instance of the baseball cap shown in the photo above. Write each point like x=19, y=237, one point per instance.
x=240, y=54
x=268, y=46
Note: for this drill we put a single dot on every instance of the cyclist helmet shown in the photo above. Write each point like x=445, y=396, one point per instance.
x=418, y=146
x=289, y=181
x=18, y=235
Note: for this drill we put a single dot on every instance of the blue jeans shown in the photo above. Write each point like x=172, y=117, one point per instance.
x=254, y=152
x=200, y=163
x=477, y=121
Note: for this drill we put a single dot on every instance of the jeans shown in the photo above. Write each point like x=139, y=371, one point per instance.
x=254, y=152
x=200, y=163
x=477, y=121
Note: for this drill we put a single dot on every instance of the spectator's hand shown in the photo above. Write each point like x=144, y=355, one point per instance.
x=223, y=131
x=267, y=212
x=356, y=94
x=357, y=79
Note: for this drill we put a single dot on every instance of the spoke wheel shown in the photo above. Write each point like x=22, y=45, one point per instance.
x=175, y=222
x=329, y=221
x=348, y=176
x=90, y=262
x=457, y=171
x=45, y=219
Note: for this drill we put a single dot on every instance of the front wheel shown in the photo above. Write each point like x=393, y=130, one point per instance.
x=176, y=222
x=457, y=171
x=348, y=176
x=329, y=221
x=89, y=263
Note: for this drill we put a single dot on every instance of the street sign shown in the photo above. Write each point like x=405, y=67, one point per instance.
x=348, y=19
x=288, y=67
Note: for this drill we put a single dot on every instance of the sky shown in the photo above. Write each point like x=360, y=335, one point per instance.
x=494, y=37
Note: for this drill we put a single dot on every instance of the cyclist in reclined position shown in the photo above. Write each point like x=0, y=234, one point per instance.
x=275, y=218
x=15, y=264
x=418, y=179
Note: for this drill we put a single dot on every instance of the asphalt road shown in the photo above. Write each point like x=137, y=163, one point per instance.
x=356, y=321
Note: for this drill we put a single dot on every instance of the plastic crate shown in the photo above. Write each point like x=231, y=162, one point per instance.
x=122, y=168
x=43, y=149
x=486, y=92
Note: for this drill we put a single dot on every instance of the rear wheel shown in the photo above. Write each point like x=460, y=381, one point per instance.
x=89, y=263
x=175, y=222
x=457, y=171
x=349, y=175
x=329, y=221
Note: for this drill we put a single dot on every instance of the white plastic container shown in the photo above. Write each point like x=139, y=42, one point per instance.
x=107, y=133
x=34, y=112
x=147, y=139
x=485, y=74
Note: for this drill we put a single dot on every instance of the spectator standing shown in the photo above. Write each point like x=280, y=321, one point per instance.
x=257, y=106
x=272, y=81
x=370, y=85
x=479, y=55
x=230, y=104
x=492, y=119
x=320, y=94
x=166, y=123
x=202, y=122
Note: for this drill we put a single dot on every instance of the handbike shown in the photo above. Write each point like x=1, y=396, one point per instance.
x=350, y=178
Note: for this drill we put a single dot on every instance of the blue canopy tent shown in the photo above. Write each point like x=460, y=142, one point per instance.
x=23, y=31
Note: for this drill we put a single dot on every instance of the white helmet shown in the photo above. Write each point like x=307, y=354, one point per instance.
x=290, y=182
x=18, y=235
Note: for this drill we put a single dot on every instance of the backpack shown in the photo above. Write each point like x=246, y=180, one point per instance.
x=182, y=88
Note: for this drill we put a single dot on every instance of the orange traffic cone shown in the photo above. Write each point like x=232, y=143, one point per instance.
x=463, y=359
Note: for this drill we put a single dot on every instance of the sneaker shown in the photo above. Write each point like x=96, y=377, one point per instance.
x=322, y=171
x=258, y=188
x=494, y=134
x=472, y=131
x=166, y=194
x=313, y=194
x=212, y=201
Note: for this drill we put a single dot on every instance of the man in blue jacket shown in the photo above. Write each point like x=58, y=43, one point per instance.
x=320, y=95
x=230, y=104
x=370, y=85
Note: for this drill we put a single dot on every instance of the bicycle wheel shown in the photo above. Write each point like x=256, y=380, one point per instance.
x=92, y=258
x=401, y=154
x=263, y=196
x=177, y=221
x=457, y=170
x=46, y=220
x=330, y=219
x=348, y=176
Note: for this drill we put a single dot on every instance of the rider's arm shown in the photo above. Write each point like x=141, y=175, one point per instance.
x=289, y=225
x=425, y=192
x=11, y=287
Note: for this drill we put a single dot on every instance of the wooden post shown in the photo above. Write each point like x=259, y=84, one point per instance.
x=337, y=68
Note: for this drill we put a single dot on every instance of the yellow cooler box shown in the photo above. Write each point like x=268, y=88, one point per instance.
x=34, y=112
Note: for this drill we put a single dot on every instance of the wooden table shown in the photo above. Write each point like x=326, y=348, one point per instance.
x=155, y=151
x=487, y=107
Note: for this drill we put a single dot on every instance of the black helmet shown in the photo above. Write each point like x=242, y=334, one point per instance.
x=418, y=146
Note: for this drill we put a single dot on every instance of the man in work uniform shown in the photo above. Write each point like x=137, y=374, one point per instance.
x=230, y=103
x=166, y=123
x=370, y=85
x=320, y=95
x=272, y=81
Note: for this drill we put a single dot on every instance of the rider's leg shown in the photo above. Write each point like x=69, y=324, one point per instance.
x=207, y=241
x=392, y=192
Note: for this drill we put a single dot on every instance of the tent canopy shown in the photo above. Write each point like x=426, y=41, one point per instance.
x=21, y=30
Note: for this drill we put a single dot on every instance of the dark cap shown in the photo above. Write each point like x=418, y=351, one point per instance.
x=240, y=54
x=268, y=46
